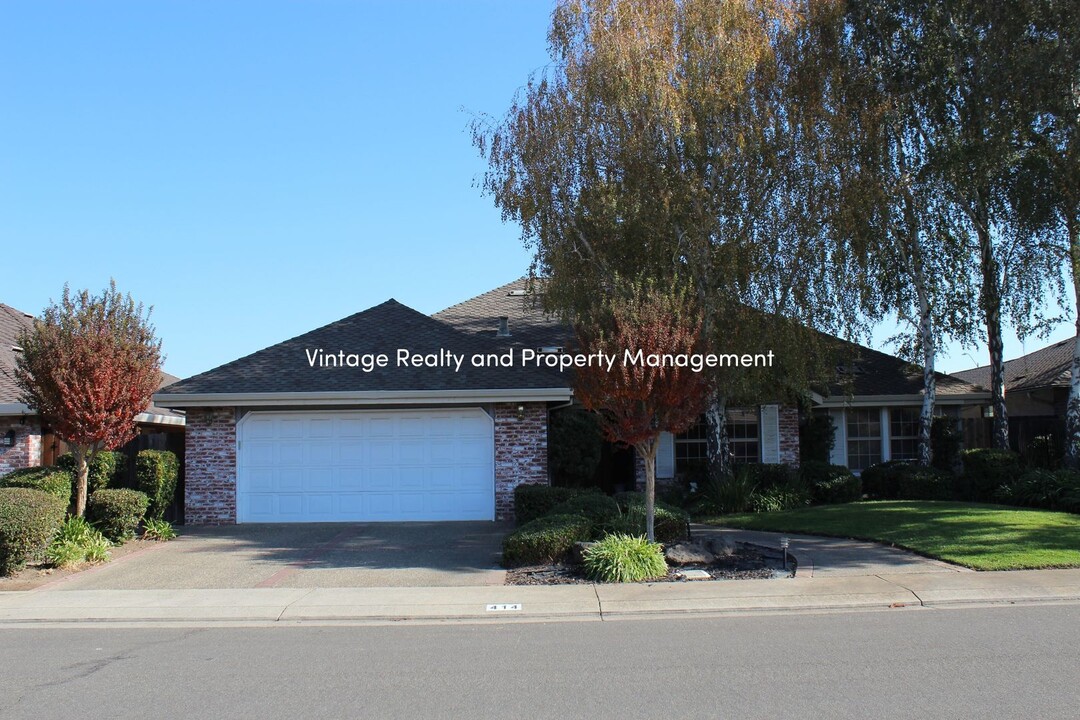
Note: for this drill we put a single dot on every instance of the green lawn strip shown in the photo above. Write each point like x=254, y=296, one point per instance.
x=982, y=537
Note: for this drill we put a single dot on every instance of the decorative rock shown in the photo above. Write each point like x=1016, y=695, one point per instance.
x=688, y=554
x=576, y=556
x=720, y=547
x=695, y=574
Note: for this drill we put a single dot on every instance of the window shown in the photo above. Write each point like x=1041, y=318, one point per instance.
x=743, y=432
x=904, y=433
x=691, y=447
x=691, y=450
x=863, y=437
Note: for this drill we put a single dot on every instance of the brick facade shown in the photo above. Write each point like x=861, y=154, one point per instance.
x=27, y=449
x=520, y=452
x=210, y=467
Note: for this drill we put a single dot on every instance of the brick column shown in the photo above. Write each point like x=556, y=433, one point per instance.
x=789, y=435
x=520, y=452
x=26, y=452
x=210, y=467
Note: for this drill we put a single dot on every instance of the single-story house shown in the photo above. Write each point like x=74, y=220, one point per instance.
x=1036, y=392
x=384, y=415
x=24, y=440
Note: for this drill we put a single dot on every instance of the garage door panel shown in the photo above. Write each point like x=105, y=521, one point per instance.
x=366, y=466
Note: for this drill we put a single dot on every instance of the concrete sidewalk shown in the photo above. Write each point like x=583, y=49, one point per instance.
x=538, y=603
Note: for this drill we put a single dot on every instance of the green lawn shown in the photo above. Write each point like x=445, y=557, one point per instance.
x=983, y=537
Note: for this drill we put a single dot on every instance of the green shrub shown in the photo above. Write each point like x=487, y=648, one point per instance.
x=601, y=510
x=882, y=481
x=669, y=523
x=28, y=521
x=629, y=497
x=100, y=473
x=575, y=443
x=544, y=540
x=1058, y=490
x=157, y=529
x=817, y=435
x=945, y=443
x=728, y=493
x=155, y=474
x=986, y=470
x=767, y=476
x=535, y=501
x=117, y=513
x=624, y=558
x=830, y=484
x=77, y=542
x=924, y=483
x=1043, y=452
x=51, y=480
x=775, y=499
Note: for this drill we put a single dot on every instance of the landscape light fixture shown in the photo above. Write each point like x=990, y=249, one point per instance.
x=784, y=542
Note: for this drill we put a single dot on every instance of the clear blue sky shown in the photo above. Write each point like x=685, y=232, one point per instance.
x=256, y=169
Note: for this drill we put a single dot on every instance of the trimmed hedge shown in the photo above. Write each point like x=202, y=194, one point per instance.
x=830, y=484
x=882, y=481
x=155, y=474
x=924, y=483
x=986, y=470
x=535, y=501
x=28, y=521
x=117, y=513
x=100, y=473
x=669, y=523
x=51, y=480
x=602, y=511
x=544, y=540
x=767, y=476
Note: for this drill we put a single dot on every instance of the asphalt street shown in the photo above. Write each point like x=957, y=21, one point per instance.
x=991, y=662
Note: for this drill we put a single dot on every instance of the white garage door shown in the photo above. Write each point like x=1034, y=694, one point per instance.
x=371, y=465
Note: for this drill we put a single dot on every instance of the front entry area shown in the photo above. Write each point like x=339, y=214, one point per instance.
x=365, y=466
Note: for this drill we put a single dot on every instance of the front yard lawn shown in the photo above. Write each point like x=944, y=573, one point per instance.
x=983, y=537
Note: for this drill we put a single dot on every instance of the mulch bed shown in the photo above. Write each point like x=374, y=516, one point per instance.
x=35, y=575
x=748, y=562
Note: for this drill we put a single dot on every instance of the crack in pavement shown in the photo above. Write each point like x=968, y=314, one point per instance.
x=599, y=605
x=286, y=608
x=903, y=587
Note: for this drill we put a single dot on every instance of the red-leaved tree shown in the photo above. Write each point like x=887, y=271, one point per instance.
x=635, y=402
x=88, y=366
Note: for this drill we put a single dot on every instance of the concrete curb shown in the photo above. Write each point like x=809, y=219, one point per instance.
x=538, y=603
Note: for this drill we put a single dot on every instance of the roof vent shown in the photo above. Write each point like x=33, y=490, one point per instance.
x=504, y=326
x=16, y=348
x=550, y=350
x=517, y=293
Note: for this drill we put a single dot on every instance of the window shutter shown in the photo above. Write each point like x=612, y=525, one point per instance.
x=665, y=456
x=770, y=434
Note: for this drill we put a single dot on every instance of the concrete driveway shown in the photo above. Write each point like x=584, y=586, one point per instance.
x=325, y=555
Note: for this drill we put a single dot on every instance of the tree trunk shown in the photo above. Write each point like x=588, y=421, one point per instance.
x=929, y=349
x=647, y=450
x=991, y=305
x=82, y=470
x=717, y=449
x=1072, y=411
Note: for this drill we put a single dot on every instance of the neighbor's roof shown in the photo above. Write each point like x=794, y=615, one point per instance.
x=285, y=367
x=12, y=322
x=1048, y=367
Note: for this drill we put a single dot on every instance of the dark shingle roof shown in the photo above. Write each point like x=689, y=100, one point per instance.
x=517, y=302
x=1048, y=367
x=381, y=329
x=12, y=322
x=872, y=372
